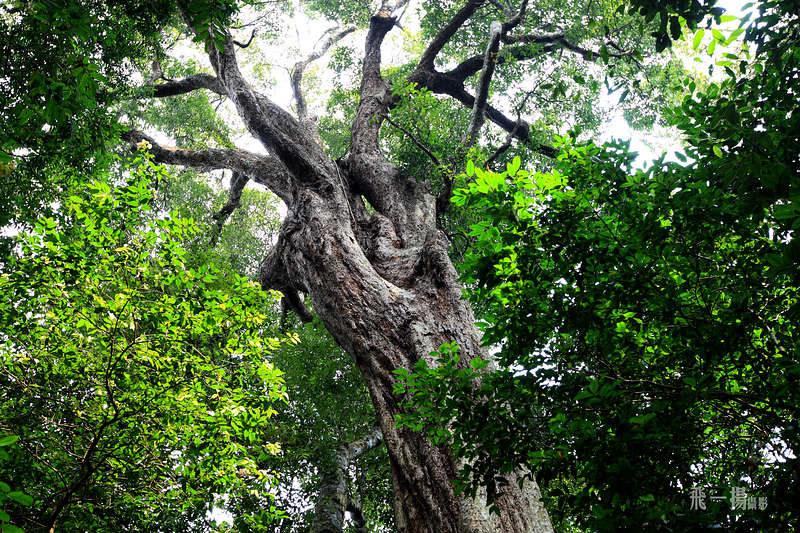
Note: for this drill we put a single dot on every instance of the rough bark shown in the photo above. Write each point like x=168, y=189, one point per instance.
x=381, y=281
x=334, y=495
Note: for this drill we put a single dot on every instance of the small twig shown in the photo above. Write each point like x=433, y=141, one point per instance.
x=414, y=140
x=510, y=137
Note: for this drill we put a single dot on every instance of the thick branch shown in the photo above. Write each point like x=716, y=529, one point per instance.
x=300, y=66
x=447, y=32
x=552, y=41
x=561, y=41
x=373, y=91
x=262, y=169
x=333, y=494
x=474, y=64
x=188, y=84
x=441, y=84
x=481, y=98
x=276, y=129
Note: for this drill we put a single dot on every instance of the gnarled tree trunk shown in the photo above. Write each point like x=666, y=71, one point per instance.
x=380, y=279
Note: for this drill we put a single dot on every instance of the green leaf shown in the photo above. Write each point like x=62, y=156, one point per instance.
x=717, y=150
x=20, y=497
x=470, y=168
x=698, y=38
x=478, y=364
x=8, y=440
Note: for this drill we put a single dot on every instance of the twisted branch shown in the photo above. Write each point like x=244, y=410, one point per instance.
x=262, y=169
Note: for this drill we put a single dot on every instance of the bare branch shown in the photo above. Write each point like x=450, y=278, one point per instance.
x=561, y=41
x=481, y=99
x=188, y=84
x=373, y=91
x=155, y=73
x=552, y=41
x=534, y=38
x=299, y=68
x=446, y=33
x=514, y=21
x=442, y=84
x=474, y=64
x=503, y=147
x=510, y=137
x=265, y=170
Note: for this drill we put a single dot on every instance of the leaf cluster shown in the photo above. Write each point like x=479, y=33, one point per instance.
x=138, y=389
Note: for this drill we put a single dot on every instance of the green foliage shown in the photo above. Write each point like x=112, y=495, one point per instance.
x=346, y=12
x=334, y=127
x=62, y=64
x=249, y=230
x=7, y=495
x=645, y=320
x=641, y=326
x=138, y=389
x=330, y=407
x=744, y=127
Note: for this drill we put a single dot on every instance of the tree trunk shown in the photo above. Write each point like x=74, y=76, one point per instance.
x=380, y=279
x=386, y=326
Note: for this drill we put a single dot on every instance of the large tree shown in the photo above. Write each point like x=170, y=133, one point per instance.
x=362, y=238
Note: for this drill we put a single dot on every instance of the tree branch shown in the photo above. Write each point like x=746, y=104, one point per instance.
x=238, y=182
x=414, y=140
x=441, y=84
x=373, y=90
x=485, y=80
x=334, y=496
x=245, y=45
x=188, y=84
x=447, y=32
x=276, y=129
x=265, y=170
x=514, y=21
x=561, y=41
x=552, y=41
x=299, y=69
